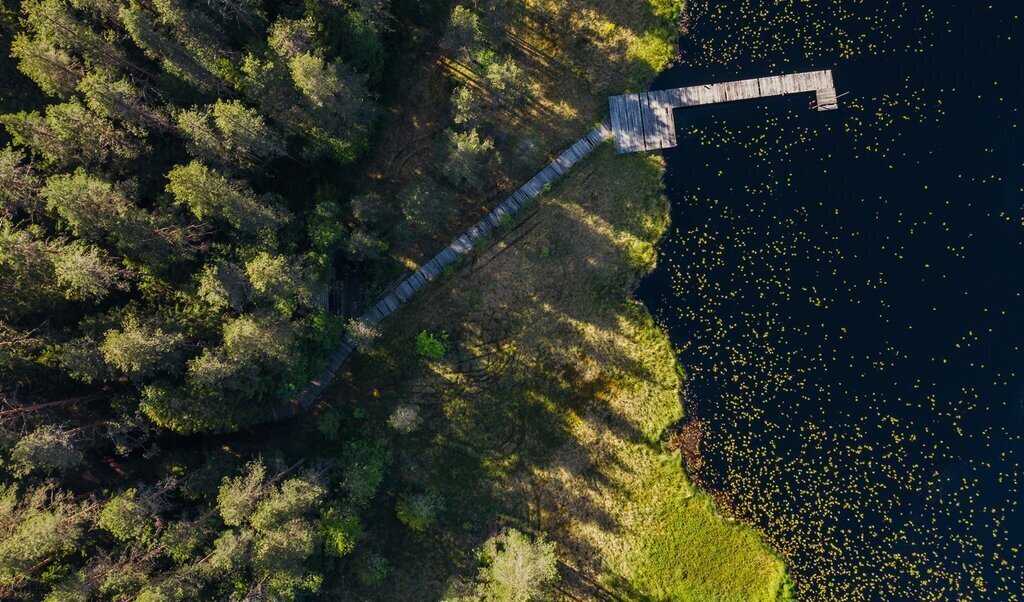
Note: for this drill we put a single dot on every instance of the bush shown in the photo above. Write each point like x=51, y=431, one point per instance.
x=508, y=84
x=430, y=346
x=372, y=569
x=419, y=511
x=466, y=106
x=464, y=33
x=425, y=205
x=364, y=467
x=341, y=530
x=405, y=419
x=516, y=567
x=466, y=159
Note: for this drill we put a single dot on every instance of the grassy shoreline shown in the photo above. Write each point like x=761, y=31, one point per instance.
x=557, y=429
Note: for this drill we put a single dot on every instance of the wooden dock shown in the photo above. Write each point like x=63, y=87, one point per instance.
x=644, y=121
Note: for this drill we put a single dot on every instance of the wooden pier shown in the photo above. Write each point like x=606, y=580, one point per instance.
x=644, y=121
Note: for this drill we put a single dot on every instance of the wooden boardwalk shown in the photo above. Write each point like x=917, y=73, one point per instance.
x=644, y=121
x=434, y=268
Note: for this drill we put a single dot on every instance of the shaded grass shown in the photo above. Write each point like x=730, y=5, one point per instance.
x=548, y=411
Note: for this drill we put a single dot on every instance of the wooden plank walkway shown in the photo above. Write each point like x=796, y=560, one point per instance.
x=431, y=270
x=644, y=121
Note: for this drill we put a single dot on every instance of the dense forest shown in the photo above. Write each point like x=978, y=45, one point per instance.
x=184, y=187
x=165, y=255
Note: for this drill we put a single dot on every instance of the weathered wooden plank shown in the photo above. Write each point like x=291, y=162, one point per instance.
x=616, y=106
x=509, y=205
x=579, y=151
x=770, y=86
x=625, y=136
x=652, y=126
x=532, y=187
x=338, y=359
x=421, y=278
x=629, y=127
x=659, y=127
x=636, y=119
x=791, y=83
x=743, y=89
x=565, y=160
x=668, y=120
x=682, y=97
x=550, y=174
x=485, y=226
x=555, y=165
x=826, y=100
x=446, y=257
x=583, y=148
x=627, y=132
x=704, y=94
x=431, y=269
x=652, y=139
x=574, y=152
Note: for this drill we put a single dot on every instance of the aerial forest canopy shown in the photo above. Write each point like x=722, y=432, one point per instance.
x=171, y=215
x=160, y=241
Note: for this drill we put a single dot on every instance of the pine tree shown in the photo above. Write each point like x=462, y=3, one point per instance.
x=91, y=208
x=210, y=195
x=70, y=134
x=84, y=273
x=54, y=70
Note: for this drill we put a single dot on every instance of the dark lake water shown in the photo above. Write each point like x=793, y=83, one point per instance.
x=846, y=290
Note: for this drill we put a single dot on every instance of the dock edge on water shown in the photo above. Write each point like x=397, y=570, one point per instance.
x=644, y=121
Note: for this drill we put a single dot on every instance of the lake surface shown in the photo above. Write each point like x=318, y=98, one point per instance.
x=846, y=291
